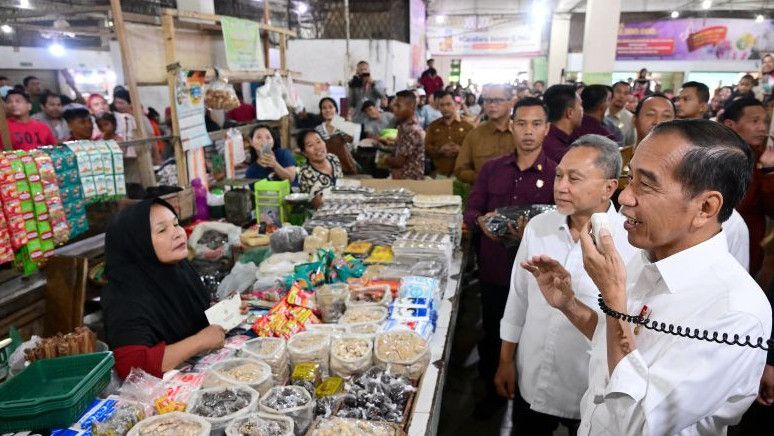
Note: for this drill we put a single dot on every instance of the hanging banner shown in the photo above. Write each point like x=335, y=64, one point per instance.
x=480, y=36
x=695, y=39
x=242, y=38
x=417, y=32
x=189, y=105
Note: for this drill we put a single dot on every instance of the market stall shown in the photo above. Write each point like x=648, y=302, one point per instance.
x=350, y=324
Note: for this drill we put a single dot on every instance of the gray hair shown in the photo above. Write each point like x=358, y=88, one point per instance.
x=609, y=159
x=507, y=87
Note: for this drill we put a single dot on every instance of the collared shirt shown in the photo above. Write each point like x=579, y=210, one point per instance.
x=553, y=356
x=438, y=134
x=482, y=144
x=591, y=126
x=673, y=385
x=427, y=114
x=501, y=183
x=624, y=121
x=556, y=143
x=757, y=204
x=738, y=238
x=410, y=143
x=57, y=125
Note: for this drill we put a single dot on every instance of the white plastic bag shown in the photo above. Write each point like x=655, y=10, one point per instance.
x=302, y=414
x=350, y=354
x=274, y=352
x=170, y=418
x=262, y=423
x=240, y=279
x=269, y=104
x=257, y=374
x=292, y=97
x=310, y=347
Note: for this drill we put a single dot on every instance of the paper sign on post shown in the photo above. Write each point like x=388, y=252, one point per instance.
x=226, y=314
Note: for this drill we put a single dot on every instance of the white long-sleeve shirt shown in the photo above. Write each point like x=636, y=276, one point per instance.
x=552, y=357
x=738, y=238
x=671, y=385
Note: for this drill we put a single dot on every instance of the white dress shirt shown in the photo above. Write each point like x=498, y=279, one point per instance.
x=624, y=121
x=671, y=385
x=738, y=238
x=553, y=356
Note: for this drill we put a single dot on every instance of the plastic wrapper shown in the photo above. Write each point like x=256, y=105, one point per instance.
x=327, y=406
x=240, y=371
x=338, y=237
x=335, y=426
x=239, y=280
x=313, y=243
x=212, y=240
x=310, y=347
x=331, y=301
x=274, y=352
x=365, y=296
x=377, y=395
x=288, y=239
x=220, y=95
x=307, y=371
x=142, y=387
x=357, y=315
x=350, y=354
x=369, y=329
x=329, y=386
x=220, y=406
x=124, y=417
x=380, y=254
x=423, y=328
x=261, y=424
x=327, y=329
x=294, y=402
x=321, y=232
x=172, y=424
x=402, y=352
x=360, y=248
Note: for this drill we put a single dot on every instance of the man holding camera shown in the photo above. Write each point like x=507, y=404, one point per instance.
x=361, y=88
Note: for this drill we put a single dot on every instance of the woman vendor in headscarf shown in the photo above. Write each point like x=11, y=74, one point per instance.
x=154, y=301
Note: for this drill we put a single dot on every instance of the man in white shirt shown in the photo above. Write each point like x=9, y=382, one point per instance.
x=552, y=358
x=687, y=175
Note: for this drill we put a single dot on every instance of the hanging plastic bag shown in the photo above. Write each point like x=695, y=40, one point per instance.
x=269, y=104
x=234, y=151
x=292, y=98
x=220, y=94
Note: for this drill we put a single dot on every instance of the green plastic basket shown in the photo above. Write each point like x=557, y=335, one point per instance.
x=53, y=392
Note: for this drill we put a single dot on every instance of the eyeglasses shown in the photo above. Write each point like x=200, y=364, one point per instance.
x=495, y=100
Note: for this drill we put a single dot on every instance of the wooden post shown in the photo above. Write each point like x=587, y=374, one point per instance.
x=168, y=30
x=283, y=46
x=144, y=161
x=265, y=35
x=4, y=131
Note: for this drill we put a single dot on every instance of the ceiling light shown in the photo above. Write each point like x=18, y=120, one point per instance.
x=706, y=4
x=674, y=14
x=6, y=28
x=759, y=18
x=302, y=8
x=25, y=4
x=440, y=19
x=539, y=12
x=56, y=49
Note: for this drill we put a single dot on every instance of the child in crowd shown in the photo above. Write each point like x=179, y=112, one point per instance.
x=408, y=162
x=106, y=122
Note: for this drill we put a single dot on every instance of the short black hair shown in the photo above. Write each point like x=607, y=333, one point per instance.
x=747, y=76
x=654, y=95
x=275, y=136
x=530, y=102
x=593, y=96
x=48, y=94
x=107, y=116
x=15, y=91
x=559, y=98
x=302, y=136
x=362, y=62
x=735, y=109
x=408, y=95
x=719, y=160
x=65, y=100
x=621, y=83
x=366, y=105
x=437, y=95
x=123, y=94
x=702, y=90
x=432, y=71
x=540, y=82
x=76, y=113
x=4, y=78
x=26, y=81
x=324, y=99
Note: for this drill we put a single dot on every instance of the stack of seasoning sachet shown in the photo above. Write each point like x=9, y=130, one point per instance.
x=66, y=168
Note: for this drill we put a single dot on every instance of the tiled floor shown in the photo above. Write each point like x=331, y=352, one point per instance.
x=463, y=386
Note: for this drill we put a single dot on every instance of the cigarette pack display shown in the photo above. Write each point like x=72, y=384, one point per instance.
x=89, y=189
x=97, y=166
x=99, y=185
x=120, y=185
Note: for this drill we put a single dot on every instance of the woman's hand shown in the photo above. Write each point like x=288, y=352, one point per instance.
x=211, y=337
x=267, y=160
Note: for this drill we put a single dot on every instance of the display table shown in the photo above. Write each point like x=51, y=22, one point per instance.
x=427, y=403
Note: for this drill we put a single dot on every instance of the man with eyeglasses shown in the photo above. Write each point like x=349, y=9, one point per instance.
x=492, y=138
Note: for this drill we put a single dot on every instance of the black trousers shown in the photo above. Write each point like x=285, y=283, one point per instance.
x=757, y=421
x=528, y=422
x=493, y=299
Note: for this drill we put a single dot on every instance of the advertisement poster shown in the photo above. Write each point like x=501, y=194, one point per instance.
x=189, y=103
x=418, y=23
x=242, y=38
x=695, y=39
x=481, y=37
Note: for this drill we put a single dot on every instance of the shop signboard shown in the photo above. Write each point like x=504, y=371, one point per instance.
x=478, y=36
x=189, y=106
x=242, y=39
x=695, y=39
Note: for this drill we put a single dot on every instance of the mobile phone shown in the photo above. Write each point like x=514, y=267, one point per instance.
x=599, y=221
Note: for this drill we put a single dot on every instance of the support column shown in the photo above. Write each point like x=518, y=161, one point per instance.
x=558, y=47
x=600, y=36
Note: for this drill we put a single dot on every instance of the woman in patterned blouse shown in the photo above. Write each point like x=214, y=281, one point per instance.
x=321, y=170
